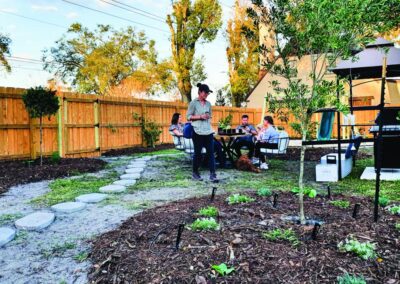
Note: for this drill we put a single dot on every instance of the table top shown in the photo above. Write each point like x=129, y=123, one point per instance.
x=236, y=135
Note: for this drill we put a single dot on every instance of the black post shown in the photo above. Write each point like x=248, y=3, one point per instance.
x=329, y=192
x=339, y=134
x=355, y=210
x=275, y=200
x=378, y=141
x=178, y=237
x=315, y=231
x=214, y=189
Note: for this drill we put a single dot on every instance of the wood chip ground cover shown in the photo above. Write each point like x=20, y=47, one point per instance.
x=142, y=249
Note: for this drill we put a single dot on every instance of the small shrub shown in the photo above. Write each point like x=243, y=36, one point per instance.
x=264, y=192
x=307, y=191
x=364, y=250
x=340, y=203
x=151, y=130
x=55, y=158
x=383, y=201
x=238, y=198
x=395, y=210
x=204, y=224
x=350, y=279
x=209, y=211
x=283, y=235
x=223, y=269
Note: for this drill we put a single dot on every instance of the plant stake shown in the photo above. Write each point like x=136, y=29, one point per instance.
x=355, y=210
x=214, y=189
x=329, y=192
x=178, y=237
x=315, y=231
x=275, y=200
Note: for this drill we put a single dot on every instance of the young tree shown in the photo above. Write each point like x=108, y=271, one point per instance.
x=95, y=61
x=5, y=50
x=322, y=32
x=189, y=23
x=40, y=102
x=242, y=54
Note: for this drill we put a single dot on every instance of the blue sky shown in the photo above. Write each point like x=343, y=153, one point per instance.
x=29, y=37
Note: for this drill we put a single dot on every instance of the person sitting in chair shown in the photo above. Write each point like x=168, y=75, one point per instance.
x=267, y=138
x=176, y=126
x=248, y=139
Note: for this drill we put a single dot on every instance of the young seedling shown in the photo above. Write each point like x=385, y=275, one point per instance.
x=282, y=235
x=340, y=203
x=223, y=269
x=351, y=279
x=397, y=226
x=209, y=211
x=264, y=192
x=365, y=250
x=203, y=224
x=307, y=191
x=395, y=210
x=237, y=198
x=383, y=201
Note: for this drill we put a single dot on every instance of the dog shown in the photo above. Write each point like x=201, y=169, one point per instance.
x=244, y=164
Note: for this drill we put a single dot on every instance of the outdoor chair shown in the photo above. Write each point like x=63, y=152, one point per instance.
x=280, y=148
x=178, y=142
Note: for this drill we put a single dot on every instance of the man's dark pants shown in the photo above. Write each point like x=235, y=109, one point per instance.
x=246, y=141
x=206, y=141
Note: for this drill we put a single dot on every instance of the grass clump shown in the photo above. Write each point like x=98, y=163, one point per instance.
x=383, y=201
x=340, y=203
x=365, y=250
x=282, y=235
x=264, y=192
x=351, y=279
x=238, y=198
x=8, y=218
x=81, y=257
x=58, y=249
x=159, y=152
x=203, y=224
x=209, y=211
x=223, y=269
x=395, y=210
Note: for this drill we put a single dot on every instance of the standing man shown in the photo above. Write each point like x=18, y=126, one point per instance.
x=199, y=112
x=248, y=140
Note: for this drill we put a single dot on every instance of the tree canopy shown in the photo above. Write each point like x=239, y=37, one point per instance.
x=5, y=50
x=189, y=24
x=95, y=61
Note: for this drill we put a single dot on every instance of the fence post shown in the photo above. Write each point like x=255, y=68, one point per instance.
x=96, y=124
x=65, y=105
x=32, y=140
x=143, y=107
x=60, y=127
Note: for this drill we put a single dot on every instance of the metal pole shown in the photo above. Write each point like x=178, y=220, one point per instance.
x=339, y=134
x=378, y=141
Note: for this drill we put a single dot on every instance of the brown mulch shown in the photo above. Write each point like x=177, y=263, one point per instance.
x=21, y=172
x=313, y=154
x=138, y=150
x=142, y=249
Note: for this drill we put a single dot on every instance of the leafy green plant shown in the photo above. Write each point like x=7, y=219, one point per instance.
x=364, y=250
x=209, y=211
x=397, y=226
x=40, y=102
x=308, y=191
x=340, y=203
x=225, y=123
x=395, y=210
x=223, y=269
x=55, y=158
x=351, y=279
x=264, y=192
x=112, y=128
x=311, y=131
x=150, y=130
x=383, y=201
x=238, y=198
x=283, y=235
x=204, y=224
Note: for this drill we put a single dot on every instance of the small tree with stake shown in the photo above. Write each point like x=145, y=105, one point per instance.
x=40, y=102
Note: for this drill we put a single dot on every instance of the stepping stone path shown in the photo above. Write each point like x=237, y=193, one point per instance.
x=112, y=188
x=134, y=171
x=136, y=165
x=130, y=176
x=6, y=235
x=91, y=198
x=35, y=221
x=68, y=207
x=125, y=182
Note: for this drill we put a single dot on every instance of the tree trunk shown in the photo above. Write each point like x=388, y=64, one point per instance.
x=301, y=181
x=185, y=88
x=41, y=140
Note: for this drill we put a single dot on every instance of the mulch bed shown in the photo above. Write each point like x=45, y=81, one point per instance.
x=21, y=172
x=138, y=150
x=313, y=154
x=142, y=249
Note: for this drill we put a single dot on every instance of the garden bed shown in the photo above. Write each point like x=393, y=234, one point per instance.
x=21, y=172
x=142, y=249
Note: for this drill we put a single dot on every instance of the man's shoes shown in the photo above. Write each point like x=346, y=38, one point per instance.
x=213, y=177
x=264, y=166
x=196, y=176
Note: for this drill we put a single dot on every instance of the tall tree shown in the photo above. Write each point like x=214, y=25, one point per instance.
x=322, y=32
x=189, y=23
x=95, y=61
x=5, y=50
x=243, y=43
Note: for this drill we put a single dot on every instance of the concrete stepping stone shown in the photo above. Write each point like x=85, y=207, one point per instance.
x=35, y=221
x=112, y=188
x=6, y=235
x=147, y=158
x=134, y=170
x=91, y=197
x=136, y=165
x=68, y=207
x=125, y=182
x=130, y=176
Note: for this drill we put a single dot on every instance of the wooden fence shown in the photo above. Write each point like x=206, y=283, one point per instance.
x=88, y=125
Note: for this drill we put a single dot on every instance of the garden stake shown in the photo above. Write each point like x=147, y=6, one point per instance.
x=214, y=189
x=178, y=237
x=355, y=210
x=315, y=231
x=329, y=192
x=275, y=201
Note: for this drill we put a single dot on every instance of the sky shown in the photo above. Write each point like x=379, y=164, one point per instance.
x=51, y=18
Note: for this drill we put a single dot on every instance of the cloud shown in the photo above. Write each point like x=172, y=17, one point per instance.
x=45, y=8
x=72, y=15
x=11, y=10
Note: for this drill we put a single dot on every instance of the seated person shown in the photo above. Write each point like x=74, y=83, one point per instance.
x=267, y=138
x=176, y=126
x=248, y=139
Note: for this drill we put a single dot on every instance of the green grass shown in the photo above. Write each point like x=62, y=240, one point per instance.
x=340, y=203
x=282, y=235
x=81, y=257
x=138, y=205
x=58, y=249
x=209, y=211
x=144, y=184
x=8, y=218
x=203, y=224
x=160, y=152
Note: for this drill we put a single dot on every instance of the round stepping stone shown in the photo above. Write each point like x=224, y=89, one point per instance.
x=6, y=235
x=136, y=165
x=91, y=197
x=35, y=221
x=134, y=171
x=125, y=182
x=130, y=176
x=68, y=207
x=112, y=188
x=147, y=158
